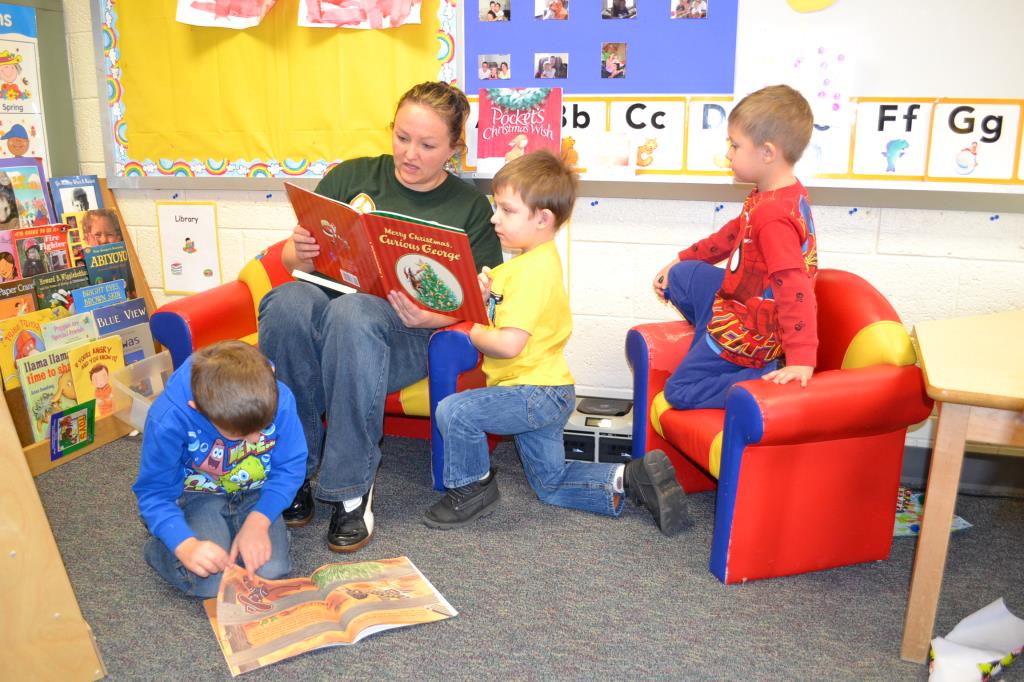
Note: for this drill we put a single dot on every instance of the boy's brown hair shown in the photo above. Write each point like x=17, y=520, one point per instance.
x=777, y=114
x=542, y=181
x=233, y=386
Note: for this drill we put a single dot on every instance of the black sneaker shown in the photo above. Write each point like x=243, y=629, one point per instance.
x=350, y=531
x=459, y=506
x=301, y=510
x=651, y=482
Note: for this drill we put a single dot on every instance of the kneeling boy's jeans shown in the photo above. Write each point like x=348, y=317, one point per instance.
x=535, y=416
x=217, y=518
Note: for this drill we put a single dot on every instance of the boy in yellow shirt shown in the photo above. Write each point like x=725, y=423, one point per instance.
x=530, y=392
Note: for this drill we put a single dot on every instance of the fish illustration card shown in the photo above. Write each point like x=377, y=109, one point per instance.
x=891, y=138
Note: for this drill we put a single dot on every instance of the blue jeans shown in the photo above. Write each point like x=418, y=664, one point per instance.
x=341, y=356
x=217, y=518
x=703, y=378
x=535, y=416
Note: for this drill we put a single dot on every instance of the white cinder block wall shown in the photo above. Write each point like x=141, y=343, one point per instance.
x=930, y=264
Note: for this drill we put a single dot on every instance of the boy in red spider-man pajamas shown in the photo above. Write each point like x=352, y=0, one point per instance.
x=761, y=305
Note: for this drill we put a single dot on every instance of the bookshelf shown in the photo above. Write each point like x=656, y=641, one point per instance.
x=48, y=638
x=108, y=428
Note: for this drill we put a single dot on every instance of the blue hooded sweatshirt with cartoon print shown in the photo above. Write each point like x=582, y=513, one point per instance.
x=183, y=452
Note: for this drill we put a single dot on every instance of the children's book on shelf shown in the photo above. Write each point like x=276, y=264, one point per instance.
x=92, y=228
x=92, y=363
x=259, y=622
x=516, y=121
x=113, y=318
x=75, y=193
x=47, y=387
x=17, y=297
x=136, y=342
x=53, y=289
x=43, y=248
x=24, y=199
x=71, y=329
x=21, y=336
x=76, y=238
x=92, y=296
x=9, y=268
x=107, y=262
x=380, y=251
x=72, y=429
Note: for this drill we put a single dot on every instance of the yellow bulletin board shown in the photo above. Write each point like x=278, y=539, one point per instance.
x=276, y=100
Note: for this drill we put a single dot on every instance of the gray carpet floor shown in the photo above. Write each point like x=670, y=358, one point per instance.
x=543, y=593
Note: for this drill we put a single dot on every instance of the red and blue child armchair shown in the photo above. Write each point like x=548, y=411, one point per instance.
x=806, y=477
x=230, y=311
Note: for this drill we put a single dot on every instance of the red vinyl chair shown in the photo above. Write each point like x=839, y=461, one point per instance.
x=806, y=478
x=230, y=311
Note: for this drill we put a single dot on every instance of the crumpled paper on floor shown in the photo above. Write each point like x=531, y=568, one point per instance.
x=979, y=647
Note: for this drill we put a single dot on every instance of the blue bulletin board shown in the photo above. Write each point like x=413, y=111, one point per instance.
x=903, y=114
x=664, y=55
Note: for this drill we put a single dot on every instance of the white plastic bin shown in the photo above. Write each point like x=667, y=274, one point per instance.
x=137, y=385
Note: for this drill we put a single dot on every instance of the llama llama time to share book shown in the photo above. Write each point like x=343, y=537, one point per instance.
x=47, y=386
x=379, y=252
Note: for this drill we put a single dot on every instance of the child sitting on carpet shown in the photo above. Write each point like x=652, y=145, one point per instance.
x=222, y=456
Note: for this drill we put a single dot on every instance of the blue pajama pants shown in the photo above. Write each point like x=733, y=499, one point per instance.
x=703, y=378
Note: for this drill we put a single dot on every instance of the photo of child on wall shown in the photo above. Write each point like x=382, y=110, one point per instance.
x=493, y=10
x=688, y=9
x=552, y=65
x=495, y=67
x=613, y=60
x=619, y=9
x=551, y=9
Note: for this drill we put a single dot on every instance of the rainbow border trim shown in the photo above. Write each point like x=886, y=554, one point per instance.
x=178, y=168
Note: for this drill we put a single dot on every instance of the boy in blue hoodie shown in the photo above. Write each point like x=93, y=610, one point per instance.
x=222, y=456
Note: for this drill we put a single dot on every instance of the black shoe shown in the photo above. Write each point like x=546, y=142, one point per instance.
x=651, y=482
x=350, y=531
x=301, y=510
x=459, y=506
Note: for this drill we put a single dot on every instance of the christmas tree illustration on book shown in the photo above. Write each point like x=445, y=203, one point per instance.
x=379, y=252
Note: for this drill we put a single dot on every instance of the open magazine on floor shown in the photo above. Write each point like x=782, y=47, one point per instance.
x=378, y=252
x=258, y=622
x=909, y=508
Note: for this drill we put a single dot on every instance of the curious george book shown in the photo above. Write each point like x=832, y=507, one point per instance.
x=378, y=252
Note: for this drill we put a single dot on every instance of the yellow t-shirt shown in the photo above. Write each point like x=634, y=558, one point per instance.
x=528, y=294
